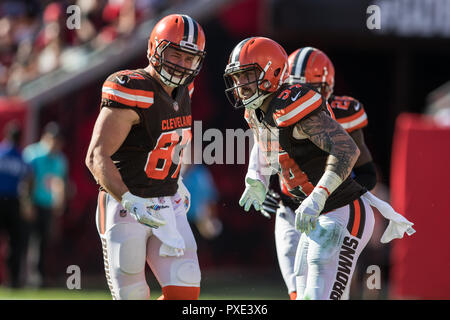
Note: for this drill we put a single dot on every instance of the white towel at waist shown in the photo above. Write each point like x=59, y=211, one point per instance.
x=398, y=224
x=172, y=241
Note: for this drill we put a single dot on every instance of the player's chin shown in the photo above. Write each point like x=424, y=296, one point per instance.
x=246, y=94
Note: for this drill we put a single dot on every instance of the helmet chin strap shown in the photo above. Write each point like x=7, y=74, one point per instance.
x=255, y=102
x=164, y=74
x=325, y=73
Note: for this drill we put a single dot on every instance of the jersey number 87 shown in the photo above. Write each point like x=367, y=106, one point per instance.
x=168, y=150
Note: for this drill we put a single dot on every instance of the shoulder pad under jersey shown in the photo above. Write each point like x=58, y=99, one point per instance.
x=127, y=89
x=349, y=112
x=294, y=102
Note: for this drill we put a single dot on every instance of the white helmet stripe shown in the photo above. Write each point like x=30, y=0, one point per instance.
x=237, y=50
x=301, y=60
x=189, y=29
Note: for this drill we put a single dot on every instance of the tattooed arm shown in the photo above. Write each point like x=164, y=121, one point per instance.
x=329, y=136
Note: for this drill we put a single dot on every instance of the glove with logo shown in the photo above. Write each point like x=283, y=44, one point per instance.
x=143, y=210
x=254, y=194
x=270, y=204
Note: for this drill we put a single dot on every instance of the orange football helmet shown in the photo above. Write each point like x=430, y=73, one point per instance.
x=269, y=62
x=182, y=33
x=313, y=67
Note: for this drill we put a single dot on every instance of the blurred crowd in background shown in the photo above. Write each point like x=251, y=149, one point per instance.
x=35, y=39
x=389, y=75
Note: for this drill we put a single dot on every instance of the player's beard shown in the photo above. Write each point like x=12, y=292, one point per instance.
x=246, y=93
x=174, y=80
x=255, y=100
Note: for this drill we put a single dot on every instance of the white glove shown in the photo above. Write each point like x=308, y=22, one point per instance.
x=143, y=210
x=309, y=210
x=254, y=194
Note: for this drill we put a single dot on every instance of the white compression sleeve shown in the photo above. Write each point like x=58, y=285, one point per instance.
x=258, y=168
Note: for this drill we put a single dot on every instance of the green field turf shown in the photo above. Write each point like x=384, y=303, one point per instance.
x=64, y=294
x=214, y=287
x=238, y=293
x=53, y=294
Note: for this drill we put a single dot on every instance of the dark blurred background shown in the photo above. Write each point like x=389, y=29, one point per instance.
x=51, y=73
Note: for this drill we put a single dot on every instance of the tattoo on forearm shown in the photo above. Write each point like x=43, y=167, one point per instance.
x=341, y=164
x=328, y=135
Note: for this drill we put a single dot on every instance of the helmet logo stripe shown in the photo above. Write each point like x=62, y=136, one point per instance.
x=188, y=35
x=294, y=70
x=195, y=32
x=237, y=51
x=186, y=28
x=302, y=61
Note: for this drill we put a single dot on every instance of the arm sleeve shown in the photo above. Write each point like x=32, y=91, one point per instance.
x=258, y=168
x=366, y=175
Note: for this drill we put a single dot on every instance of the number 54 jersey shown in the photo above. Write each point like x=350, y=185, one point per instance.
x=299, y=163
x=149, y=159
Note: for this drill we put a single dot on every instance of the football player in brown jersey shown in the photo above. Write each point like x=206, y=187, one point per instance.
x=313, y=155
x=312, y=67
x=135, y=156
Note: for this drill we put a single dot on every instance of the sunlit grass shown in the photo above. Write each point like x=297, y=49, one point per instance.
x=222, y=286
x=53, y=294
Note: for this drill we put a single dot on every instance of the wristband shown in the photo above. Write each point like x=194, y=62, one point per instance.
x=329, y=182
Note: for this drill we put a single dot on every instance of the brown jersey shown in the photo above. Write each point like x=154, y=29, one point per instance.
x=299, y=163
x=149, y=159
x=349, y=112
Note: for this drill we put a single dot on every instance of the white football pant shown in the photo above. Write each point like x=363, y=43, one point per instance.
x=286, y=241
x=320, y=266
x=128, y=245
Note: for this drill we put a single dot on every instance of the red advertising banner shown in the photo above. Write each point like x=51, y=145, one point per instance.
x=420, y=190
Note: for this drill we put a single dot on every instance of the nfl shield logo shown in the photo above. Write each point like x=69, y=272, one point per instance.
x=175, y=106
x=161, y=200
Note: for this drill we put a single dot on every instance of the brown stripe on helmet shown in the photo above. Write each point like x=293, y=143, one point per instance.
x=295, y=62
x=236, y=53
x=186, y=28
x=305, y=61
